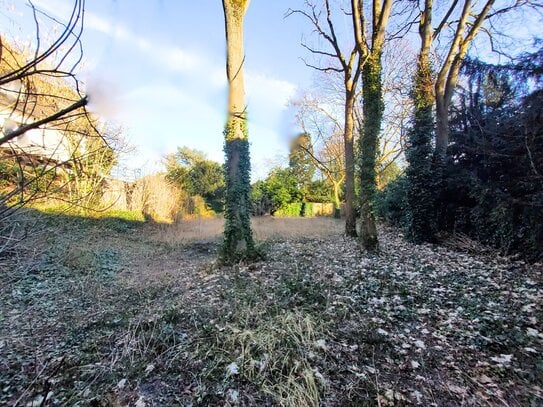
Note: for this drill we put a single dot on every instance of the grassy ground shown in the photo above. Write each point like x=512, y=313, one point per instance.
x=105, y=312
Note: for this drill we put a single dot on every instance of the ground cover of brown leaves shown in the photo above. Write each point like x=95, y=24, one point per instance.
x=97, y=313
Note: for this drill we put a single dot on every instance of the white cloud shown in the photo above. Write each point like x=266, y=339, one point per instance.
x=176, y=59
x=169, y=57
x=267, y=99
x=96, y=23
x=163, y=117
x=275, y=92
x=217, y=78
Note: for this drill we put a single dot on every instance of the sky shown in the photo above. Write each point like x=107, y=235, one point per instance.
x=157, y=68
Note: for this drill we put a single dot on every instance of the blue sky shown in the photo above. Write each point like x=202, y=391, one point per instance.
x=158, y=68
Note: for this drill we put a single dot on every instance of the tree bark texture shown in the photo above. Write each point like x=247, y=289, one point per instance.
x=350, y=215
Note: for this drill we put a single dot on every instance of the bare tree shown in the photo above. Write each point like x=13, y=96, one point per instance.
x=349, y=64
x=327, y=147
x=319, y=112
x=41, y=98
x=238, y=238
x=51, y=147
x=398, y=60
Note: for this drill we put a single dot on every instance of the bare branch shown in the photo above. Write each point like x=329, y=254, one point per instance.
x=445, y=19
x=23, y=129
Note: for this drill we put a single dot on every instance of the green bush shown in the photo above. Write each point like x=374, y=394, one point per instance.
x=275, y=193
x=391, y=202
x=492, y=189
x=289, y=210
x=308, y=209
x=192, y=172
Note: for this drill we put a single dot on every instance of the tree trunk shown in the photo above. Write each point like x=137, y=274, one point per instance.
x=337, y=203
x=421, y=225
x=442, y=125
x=447, y=77
x=238, y=239
x=421, y=194
x=350, y=215
x=373, y=108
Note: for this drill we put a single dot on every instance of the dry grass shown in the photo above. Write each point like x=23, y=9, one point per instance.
x=264, y=228
x=277, y=355
x=268, y=227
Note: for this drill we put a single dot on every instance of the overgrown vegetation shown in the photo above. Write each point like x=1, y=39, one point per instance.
x=491, y=184
x=51, y=148
x=300, y=329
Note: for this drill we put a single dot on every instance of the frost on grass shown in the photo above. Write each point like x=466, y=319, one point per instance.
x=135, y=320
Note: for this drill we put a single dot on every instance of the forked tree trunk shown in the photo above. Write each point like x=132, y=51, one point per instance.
x=238, y=239
x=447, y=77
x=350, y=215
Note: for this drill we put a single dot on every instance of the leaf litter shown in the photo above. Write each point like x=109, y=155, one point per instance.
x=121, y=319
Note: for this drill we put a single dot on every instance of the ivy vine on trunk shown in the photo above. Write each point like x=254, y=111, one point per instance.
x=373, y=115
x=373, y=109
x=238, y=238
x=421, y=218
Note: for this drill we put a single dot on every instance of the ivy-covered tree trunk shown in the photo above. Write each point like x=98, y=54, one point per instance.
x=421, y=221
x=421, y=176
x=238, y=239
x=350, y=196
x=373, y=108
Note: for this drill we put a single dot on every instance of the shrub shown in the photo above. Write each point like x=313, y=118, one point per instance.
x=289, y=210
x=308, y=209
x=391, y=202
x=157, y=199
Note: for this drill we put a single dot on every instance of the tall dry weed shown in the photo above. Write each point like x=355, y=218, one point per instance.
x=158, y=199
